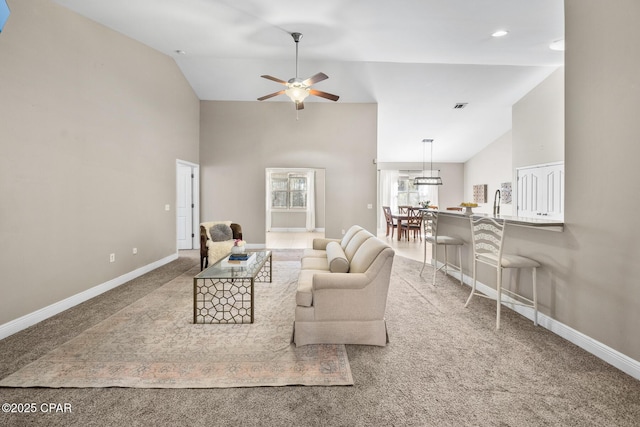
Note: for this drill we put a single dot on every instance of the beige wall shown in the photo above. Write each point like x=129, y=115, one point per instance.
x=239, y=140
x=589, y=278
x=538, y=123
x=602, y=296
x=492, y=166
x=92, y=125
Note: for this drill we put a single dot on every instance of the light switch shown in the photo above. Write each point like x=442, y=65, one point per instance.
x=167, y=207
x=369, y=206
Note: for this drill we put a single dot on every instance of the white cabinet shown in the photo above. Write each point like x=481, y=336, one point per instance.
x=541, y=191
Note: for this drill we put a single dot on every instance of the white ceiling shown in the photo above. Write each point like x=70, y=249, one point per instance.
x=415, y=58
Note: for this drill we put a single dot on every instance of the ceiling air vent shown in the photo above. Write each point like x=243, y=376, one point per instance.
x=460, y=105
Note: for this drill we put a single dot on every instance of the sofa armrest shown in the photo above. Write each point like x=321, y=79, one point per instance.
x=321, y=244
x=343, y=281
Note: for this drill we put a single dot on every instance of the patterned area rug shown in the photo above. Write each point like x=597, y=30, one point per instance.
x=153, y=343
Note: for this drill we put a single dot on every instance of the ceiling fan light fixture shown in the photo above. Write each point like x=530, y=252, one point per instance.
x=297, y=93
x=298, y=89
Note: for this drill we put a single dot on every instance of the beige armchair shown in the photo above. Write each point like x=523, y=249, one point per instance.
x=346, y=308
x=212, y=249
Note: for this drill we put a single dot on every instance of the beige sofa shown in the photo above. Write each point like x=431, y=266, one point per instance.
x=342, y=291
x=211, y=250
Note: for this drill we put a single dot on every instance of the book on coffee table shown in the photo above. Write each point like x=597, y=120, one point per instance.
x=232, y=260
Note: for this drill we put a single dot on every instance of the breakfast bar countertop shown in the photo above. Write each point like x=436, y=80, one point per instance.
x=541, y=223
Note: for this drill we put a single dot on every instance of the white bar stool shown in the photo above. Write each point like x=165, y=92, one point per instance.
x=430, y=227
x=488, y=238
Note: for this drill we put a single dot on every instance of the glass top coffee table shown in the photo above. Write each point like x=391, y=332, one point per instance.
x=223, y=292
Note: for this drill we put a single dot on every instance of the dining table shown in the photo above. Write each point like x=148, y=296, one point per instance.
x=399, y=218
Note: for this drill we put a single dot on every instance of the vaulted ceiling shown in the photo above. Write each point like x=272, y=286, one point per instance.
x=415, y=58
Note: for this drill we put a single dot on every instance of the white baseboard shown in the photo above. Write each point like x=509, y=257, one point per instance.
x=31, y=319
x=613, y=357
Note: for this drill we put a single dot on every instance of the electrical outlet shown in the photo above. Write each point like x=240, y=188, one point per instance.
x=135, y=251
x=343, y=231
x=112, y=258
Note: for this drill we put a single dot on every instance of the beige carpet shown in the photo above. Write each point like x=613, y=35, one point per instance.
x=153, y=343
x=445, y=366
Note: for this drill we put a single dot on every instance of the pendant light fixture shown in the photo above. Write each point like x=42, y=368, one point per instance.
x=427, y=180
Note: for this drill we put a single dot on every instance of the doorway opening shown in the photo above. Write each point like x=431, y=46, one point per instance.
x=295, y=207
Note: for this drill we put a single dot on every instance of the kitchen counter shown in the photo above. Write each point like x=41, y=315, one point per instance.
x=538, y=223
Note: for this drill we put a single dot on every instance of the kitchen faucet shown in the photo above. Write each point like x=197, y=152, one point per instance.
x=496, y=203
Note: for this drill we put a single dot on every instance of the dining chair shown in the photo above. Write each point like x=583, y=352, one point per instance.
x=403, y=210
x=488, y=238
x=413, y=224
x=391, y=225
x=430, y=225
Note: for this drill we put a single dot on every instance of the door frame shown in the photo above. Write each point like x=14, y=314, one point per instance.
x=195, y=194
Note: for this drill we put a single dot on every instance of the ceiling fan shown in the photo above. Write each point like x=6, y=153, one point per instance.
x=298, y=89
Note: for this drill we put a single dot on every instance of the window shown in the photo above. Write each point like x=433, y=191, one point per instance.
x=288, y=191
x=410, y=194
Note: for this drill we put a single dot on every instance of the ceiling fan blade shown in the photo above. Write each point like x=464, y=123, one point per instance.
x=275, y=79
x=271, y=95
x=299, y=105
x=326, y=95
x=315, y=79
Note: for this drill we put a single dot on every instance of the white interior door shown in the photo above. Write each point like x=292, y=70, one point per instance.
x=187, y=205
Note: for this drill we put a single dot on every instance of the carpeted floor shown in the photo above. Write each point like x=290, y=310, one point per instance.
x=445, y=366
x=153, y=343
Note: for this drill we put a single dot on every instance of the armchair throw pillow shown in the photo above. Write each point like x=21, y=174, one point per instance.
x=221, y=233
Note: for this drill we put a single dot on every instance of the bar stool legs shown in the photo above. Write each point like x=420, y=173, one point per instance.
x=446, y=264
x=430, y=226
x=488, y=237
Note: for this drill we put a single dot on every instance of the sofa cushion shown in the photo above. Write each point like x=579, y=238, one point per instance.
x=336, y=258
x=366, y=254
x=349, y=235
x=314, y=253
x=314, y=263
x=320, y=243
x=356, y=242
x=221, y=233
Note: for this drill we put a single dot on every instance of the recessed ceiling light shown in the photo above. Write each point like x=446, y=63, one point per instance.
x=500, y=33
x=557, y=45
